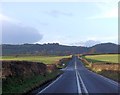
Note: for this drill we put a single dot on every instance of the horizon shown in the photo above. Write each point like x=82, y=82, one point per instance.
x=59, y=44
x=68, y=23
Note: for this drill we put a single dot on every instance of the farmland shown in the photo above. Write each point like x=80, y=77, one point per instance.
x=108, y=65
x=44, y=59
x=32, y=73
x=113, y=58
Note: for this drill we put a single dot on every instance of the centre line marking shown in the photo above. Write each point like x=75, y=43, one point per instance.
x=78, y=83
x=86, y=92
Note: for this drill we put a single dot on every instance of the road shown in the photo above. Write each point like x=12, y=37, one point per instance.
x=77, y=79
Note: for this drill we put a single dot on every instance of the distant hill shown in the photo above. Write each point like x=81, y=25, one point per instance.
x=106, y=48
x=56, y=49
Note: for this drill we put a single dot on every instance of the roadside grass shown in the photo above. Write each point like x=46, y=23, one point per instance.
x=63, y=63
x=112, y=58
x=20, y=85
x=114, y=75
x=104, y=58
x=44, y=59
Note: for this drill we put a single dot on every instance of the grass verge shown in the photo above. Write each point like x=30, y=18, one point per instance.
x=63, y=63
x=17, y=85
x=114, y=75
x=111, y=74
x=20, y=85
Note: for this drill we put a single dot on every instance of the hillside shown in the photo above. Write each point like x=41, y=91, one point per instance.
x=56, y=49
x=106, y=48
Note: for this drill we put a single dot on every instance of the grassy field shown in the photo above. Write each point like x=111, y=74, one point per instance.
x=105, y=57
x=44, y=59
x=19, y=84
x=111, y=58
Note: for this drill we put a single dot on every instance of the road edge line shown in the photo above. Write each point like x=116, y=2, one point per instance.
x=50, y=84
x=110, y=80
x=105, y=78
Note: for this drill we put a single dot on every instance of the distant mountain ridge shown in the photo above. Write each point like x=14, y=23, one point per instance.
x=56, y=49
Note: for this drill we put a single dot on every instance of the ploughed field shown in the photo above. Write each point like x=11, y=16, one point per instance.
x=112, y=58
x=34, y=58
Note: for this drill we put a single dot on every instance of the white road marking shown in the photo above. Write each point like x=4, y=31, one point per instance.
x=86, y=92
x=109, y=80
x=78, y=83
x=49, y=85
x=105, y=78
x=75, y=65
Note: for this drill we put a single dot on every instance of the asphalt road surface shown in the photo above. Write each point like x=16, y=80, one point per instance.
x=76, y=79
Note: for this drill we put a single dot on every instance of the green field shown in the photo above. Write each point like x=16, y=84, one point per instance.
x=44, y=59
x=104, y=57
x=22, y=84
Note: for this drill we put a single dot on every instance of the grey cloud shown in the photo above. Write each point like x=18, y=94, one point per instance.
x=56, y=13
x=18, y=34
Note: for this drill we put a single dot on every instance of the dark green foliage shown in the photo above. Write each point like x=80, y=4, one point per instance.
x=19, y=85
x=56, y=49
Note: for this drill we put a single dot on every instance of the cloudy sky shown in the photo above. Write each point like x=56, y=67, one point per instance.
x=68, y=23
